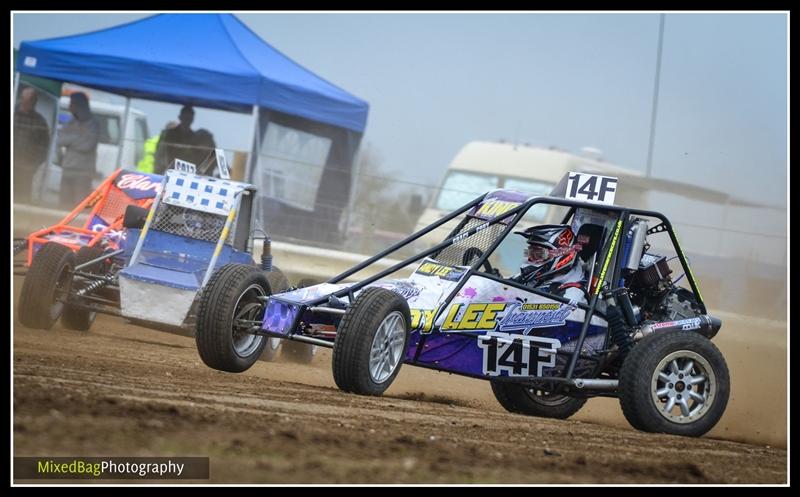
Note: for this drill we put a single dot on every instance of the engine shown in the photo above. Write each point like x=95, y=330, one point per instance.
x=655, y=302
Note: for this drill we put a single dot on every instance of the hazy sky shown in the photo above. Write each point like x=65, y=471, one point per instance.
x=436, y=81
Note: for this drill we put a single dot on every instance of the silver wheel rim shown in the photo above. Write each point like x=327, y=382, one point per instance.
x=248, y=308
x=387, y=347
x=683, y=387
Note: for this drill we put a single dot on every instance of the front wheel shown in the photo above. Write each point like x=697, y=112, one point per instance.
x=46, y=286
x=371, y=342
x=523, y=399
x=674, y=382
x=78, y=318
x=231, y=309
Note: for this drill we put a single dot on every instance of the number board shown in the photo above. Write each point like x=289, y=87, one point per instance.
x=222, y=164
x=182, y=165
x=591, y=188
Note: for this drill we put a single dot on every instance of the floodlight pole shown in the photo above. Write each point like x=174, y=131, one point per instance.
x=655, y=97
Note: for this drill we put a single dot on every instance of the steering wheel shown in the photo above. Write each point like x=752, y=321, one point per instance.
x=474, y=253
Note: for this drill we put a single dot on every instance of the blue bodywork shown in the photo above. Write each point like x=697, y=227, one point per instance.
x=176, y=261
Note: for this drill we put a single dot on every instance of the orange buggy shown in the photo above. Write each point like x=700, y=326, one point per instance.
x=106, y=207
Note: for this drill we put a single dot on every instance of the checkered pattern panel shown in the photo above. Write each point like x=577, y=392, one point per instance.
x=201, y=193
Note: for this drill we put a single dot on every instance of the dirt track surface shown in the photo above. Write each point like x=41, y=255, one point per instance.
x=125, y=390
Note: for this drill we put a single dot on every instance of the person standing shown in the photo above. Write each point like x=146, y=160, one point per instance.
x=31, y=143
x=177, y=142
x=148, y=161
x=78, y=143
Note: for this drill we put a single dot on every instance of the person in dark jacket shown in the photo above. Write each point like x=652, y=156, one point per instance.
x=77, y=142
x=31, y=143
x=177, y=142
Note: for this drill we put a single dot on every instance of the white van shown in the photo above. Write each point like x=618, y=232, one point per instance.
x=482, y=166
x=47, y=181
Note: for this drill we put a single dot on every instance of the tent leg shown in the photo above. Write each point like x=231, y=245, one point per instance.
x=123, y=133
x=51, y=155
x=16, y=86
x=252, y=160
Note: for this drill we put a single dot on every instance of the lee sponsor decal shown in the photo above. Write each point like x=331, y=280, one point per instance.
x=422, y=319
x=505, y=316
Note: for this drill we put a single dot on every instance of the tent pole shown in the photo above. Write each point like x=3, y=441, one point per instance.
x=123, y=132
x=51, y=153
x=252, y=161
x=16, y=86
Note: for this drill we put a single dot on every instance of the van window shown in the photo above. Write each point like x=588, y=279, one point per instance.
x=109, y=129
x=535, y=188
x=460, y=187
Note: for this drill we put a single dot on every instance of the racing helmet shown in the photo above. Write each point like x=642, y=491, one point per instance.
x=551, y=251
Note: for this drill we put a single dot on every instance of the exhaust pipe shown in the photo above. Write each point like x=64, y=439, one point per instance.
x=706, y=325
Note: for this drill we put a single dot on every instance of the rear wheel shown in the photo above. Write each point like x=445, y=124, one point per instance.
x=46, y=286
x=371, y=342
x=523, y=399
x=231, y=308
x=674, y=382
x=77, y=318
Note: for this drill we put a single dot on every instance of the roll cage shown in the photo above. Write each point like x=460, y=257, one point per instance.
x=609, y=250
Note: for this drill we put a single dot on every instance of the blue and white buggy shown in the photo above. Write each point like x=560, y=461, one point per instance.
x=196, y=225
x=638, y=336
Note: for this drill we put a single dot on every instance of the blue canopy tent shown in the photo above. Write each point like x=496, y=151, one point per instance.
x=216, y=61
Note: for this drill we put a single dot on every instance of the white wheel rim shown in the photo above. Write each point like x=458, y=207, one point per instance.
x=386, y=352
x=683, y=387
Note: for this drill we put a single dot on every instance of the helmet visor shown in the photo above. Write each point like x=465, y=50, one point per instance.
x=536, y=254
